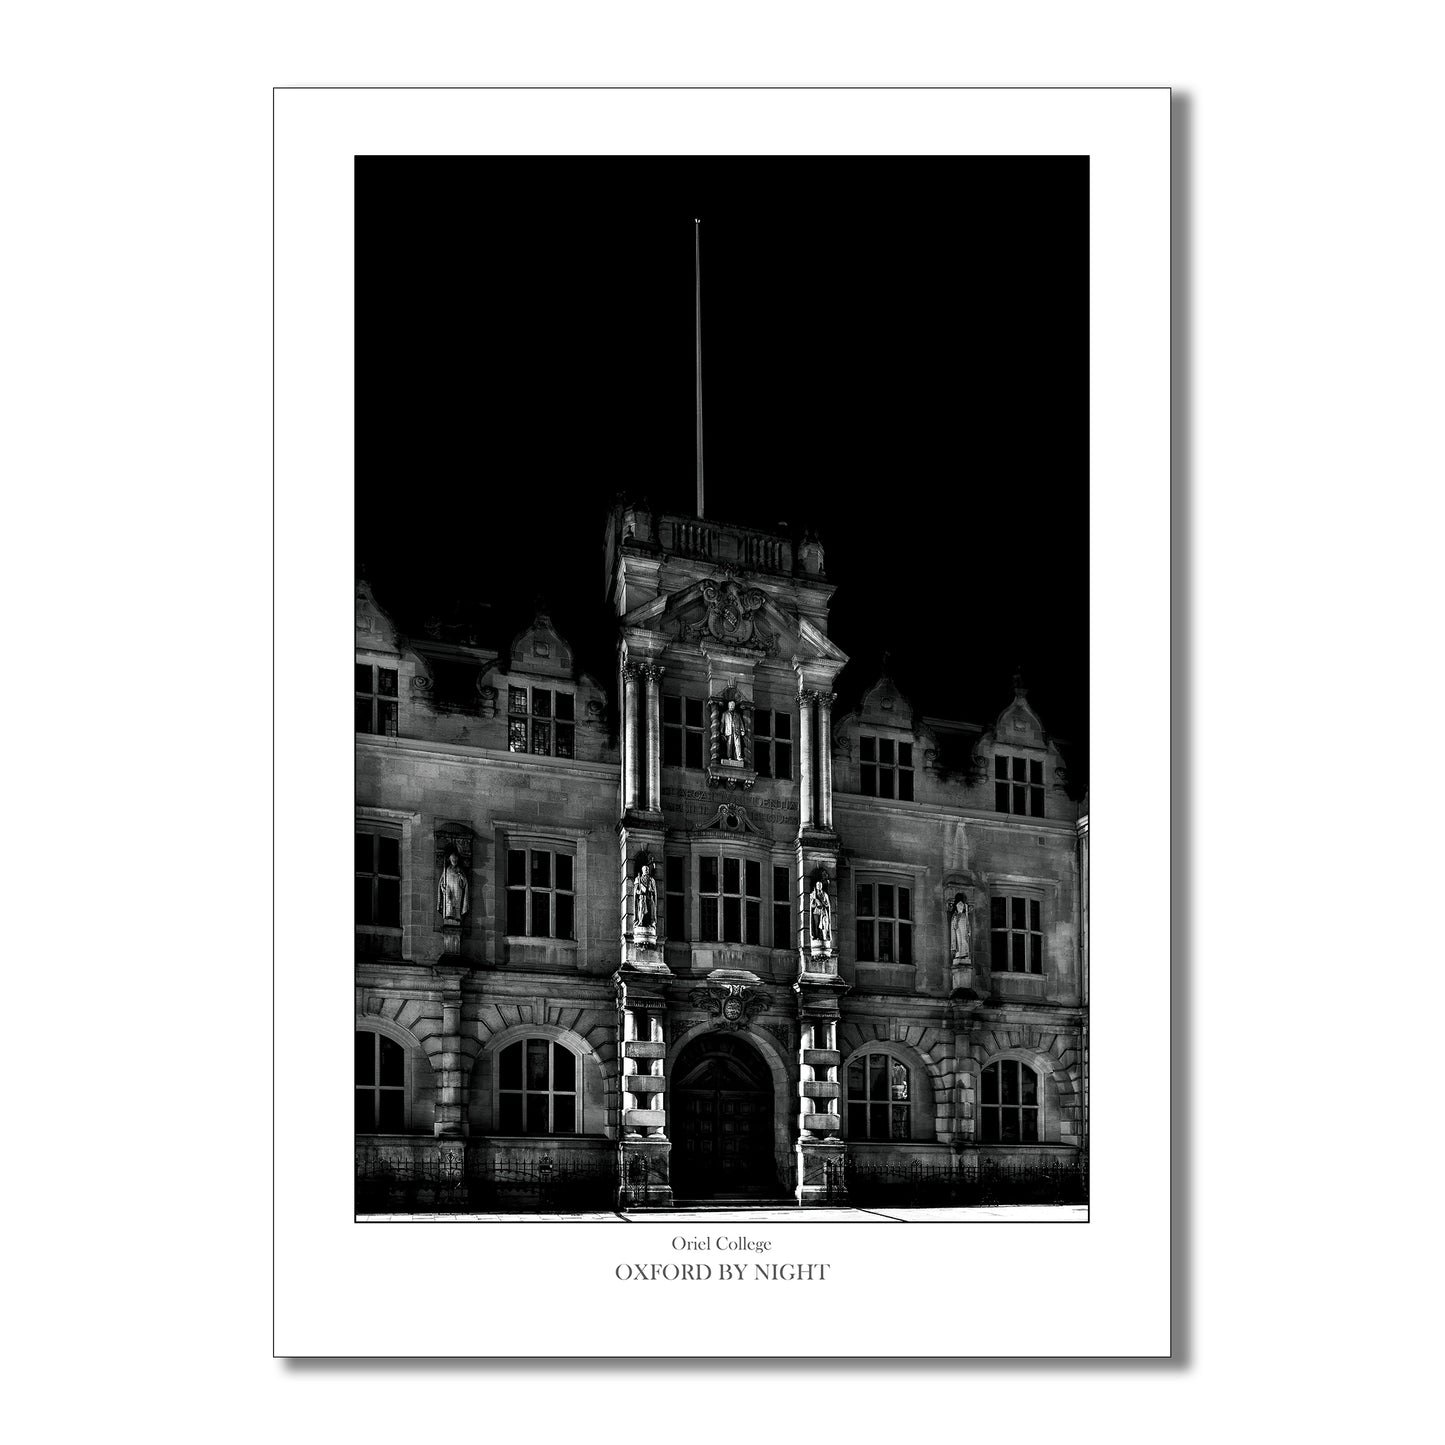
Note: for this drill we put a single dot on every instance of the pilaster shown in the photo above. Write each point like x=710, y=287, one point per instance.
x=821, y=1151
x=451, y=1064
x=644, y=1149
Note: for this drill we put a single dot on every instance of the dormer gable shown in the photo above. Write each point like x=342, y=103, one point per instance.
x=376, y=632
x=540, y=650
x=1019, y=762
x=1018, y=725
x=885, y=704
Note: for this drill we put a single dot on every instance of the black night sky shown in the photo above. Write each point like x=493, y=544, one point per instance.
x=895, y=354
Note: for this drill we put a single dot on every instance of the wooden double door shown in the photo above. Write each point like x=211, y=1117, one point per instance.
x=722, y=1121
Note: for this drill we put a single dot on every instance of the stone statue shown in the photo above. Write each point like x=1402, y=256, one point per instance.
x=959, y=926
x=453, y=895
x=644, y=898
x=820, y=918
x=732, y=731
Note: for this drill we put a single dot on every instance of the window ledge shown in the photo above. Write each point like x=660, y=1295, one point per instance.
x=1030, y=985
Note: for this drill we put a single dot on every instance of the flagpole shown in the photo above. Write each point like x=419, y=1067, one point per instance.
x=697, y=285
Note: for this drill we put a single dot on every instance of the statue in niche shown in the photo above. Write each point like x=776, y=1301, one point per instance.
x=960, y=923
x=644, y=899
x=453, y=894
x=820, y=918
x=732, y=733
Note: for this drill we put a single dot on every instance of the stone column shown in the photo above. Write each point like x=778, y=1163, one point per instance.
x=653, y=673
x=629, y=736
x=805, y=759
x=825, y=759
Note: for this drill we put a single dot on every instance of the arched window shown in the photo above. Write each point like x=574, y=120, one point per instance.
x=537, y=1088
x=1010, y=1103
x=380, y=1084
x=879, y=1099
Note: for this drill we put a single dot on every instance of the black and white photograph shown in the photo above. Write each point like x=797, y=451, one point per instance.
x=722, y=688
x=685, y=694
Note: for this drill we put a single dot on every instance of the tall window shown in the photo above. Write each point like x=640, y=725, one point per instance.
x=540, y=900
x=682, y=730
x=884, y=920
x=675, y=918
x=537, y=1089
x=378, y=879
x=375, y=699
x=878, y=1098
x=773, y=743
x=885, y=768
x=1016, y=935
x=782, y=909
x=380, y=1084
x=731, y=894
x=1018, y=785
x=1010, y=1103
x=541, y=720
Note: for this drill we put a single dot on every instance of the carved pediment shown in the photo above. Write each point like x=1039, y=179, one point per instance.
x=728, y=610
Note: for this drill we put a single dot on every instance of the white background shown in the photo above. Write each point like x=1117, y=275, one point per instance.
x=136, y=336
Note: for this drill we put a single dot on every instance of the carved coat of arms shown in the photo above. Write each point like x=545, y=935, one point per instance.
x=730, y=608
x=730, y=1006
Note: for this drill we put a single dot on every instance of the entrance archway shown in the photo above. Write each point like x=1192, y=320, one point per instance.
x=722, y=1121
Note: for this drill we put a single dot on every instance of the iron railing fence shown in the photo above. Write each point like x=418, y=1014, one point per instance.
x=515, y=1184
x=966, y=1181
x=583, y=1182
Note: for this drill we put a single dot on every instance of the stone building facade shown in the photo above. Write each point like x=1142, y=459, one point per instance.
x=743, y=945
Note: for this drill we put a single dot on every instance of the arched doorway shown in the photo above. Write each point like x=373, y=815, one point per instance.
x=722, y=1121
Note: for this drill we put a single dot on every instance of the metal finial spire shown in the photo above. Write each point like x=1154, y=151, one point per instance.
x=697, y=284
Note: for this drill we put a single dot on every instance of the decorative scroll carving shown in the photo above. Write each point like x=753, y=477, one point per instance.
x=731, y=818
x=731, y=1005
x=783, y=1032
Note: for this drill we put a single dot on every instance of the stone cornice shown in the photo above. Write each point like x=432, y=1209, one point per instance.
x=461, y=753
x=1008, y=822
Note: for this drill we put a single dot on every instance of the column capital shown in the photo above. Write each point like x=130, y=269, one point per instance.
x=633, y=670
x=652, y=671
